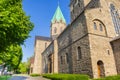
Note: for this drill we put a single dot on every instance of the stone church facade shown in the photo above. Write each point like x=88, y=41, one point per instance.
x=83, y=47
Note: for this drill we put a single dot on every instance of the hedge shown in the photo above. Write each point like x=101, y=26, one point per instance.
x=117, y=77
x=66, y=76
x=34, y=75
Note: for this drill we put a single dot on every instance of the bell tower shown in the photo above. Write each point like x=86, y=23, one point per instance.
x=58, y=23
x=76, y=7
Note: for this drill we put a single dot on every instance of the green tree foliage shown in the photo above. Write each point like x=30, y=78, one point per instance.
x=22, y=68
x=15, y=26
x=11, y=57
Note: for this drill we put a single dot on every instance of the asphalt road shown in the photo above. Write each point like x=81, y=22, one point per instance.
x=18, y=78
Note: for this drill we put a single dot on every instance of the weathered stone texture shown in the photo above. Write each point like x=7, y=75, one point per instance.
x=51, y=52
x=73, y=37
x=40, y=45
x=99, y=40
x=101, y=51
x=116, y=49
x=45, y=58
x=91, y=30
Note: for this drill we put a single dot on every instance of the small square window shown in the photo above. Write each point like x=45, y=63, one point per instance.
x=108, y=51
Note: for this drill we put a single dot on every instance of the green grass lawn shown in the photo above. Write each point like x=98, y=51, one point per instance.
x=4, y=77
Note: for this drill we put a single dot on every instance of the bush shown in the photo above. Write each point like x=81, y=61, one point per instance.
x=66, y=76
x=34, y=75
x=110, y=78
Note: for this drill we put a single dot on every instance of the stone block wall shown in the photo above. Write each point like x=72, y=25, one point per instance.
x=73, y=37
x=40, y=44
x=116, y=50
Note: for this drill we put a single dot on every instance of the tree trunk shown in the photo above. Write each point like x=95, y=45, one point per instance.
x=2, y=73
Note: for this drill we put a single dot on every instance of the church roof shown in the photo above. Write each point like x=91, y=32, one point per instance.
x=58, y=16
x=115, y=38
x=43, y=38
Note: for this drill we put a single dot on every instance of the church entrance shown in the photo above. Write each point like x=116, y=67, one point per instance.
x=101, y=70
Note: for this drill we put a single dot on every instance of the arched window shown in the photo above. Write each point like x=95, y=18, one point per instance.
x=67, y=58
x=55, y=30
x=115, y=18
x=101, y=27
x=95, y=26
x=79, y=4
x=61, y=59
x=79, y=55
x=76, y=2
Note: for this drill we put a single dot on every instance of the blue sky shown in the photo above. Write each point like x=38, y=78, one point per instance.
x=41, y=12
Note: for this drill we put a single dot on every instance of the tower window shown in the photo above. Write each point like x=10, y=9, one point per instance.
x=55, y=30
x=95, y=26
x=61, y=29
x=79, y=56
x=79, y=4
x=101, y=28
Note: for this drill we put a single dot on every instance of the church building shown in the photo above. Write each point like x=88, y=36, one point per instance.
x=83, y=46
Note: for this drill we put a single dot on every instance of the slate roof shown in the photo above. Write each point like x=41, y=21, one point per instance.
x=43, y=38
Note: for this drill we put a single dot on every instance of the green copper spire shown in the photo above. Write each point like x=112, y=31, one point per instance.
x=58, y=16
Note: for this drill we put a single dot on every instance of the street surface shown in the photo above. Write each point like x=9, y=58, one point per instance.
x=24, y=77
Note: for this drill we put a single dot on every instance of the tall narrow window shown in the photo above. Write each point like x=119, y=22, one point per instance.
x=115, y=18
x=108, y=51
x=61, y=59
x=101, y=27
x=79, y=4
x=79, y=56
x=55, y=30
x=95, y=26
x=67, y=58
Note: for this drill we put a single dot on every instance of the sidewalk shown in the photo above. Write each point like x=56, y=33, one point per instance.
x=26, y=77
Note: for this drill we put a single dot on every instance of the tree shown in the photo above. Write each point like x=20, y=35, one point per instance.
x=22, y=68
x=11, y=57
x=15, y=26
